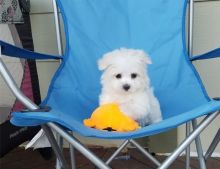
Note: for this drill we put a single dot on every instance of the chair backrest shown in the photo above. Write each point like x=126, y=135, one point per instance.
x=94, y=27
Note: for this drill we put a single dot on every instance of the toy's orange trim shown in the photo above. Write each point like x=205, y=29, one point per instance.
x=110, y=116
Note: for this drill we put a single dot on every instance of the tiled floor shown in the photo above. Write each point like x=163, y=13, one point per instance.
x=21, y=159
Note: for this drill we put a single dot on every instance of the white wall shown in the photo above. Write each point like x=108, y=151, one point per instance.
x=44, y=37
x=206, y=37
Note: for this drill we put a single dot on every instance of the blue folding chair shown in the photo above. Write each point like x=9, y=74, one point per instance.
x=94, y=27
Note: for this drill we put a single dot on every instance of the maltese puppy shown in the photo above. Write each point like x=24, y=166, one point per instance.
x=125, y=82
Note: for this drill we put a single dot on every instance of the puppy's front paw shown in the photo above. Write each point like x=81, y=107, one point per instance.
x=144, y=122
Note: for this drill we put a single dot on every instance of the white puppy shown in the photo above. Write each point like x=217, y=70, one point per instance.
x=125, y=81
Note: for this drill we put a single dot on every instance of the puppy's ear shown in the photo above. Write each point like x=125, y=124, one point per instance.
x=105, y=61
x=144, y=57
x=147, y=59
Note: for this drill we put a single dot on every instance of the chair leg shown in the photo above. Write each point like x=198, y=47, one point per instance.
x=188, y=148
x=60, y=144
x=77, y=145
x=213, y=145
x=207, y=120
x=72, y=157
x=55, y=146
x=199, y=147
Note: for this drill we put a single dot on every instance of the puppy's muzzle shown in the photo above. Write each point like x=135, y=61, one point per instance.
x=126, y=87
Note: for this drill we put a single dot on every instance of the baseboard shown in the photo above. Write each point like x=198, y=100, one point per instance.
x=192, y=154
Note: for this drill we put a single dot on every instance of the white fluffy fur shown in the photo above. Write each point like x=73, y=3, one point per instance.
x=138, y=101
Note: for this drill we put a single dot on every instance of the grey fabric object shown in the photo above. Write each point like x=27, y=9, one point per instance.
x=10, y=11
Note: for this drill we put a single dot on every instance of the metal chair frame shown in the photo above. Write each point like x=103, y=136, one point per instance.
x=202, y=158
x=50, y=127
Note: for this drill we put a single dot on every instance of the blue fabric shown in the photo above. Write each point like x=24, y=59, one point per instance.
x=94, y=27
x=10, y=50
x=209, y=55
x=76, y=125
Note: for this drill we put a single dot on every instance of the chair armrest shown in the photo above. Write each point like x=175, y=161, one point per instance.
x=14, y=88
x=212, y=54
x=13, y=51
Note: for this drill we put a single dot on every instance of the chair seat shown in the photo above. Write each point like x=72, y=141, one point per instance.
x=76, y=125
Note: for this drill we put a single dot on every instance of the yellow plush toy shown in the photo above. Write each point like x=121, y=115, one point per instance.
x=109, y=117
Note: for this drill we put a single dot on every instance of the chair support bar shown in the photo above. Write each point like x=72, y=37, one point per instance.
x=124, y=144
x=147, y=154
x=190, y=53
x=142, y=150
x=213, y=145
x=55, y=146
x=199, y=147
x=207, y=120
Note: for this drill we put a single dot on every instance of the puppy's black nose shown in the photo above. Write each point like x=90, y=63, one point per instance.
x=126, y=87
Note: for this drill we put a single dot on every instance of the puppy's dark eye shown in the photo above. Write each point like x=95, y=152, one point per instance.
x=118, y=76
x=133, y=75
